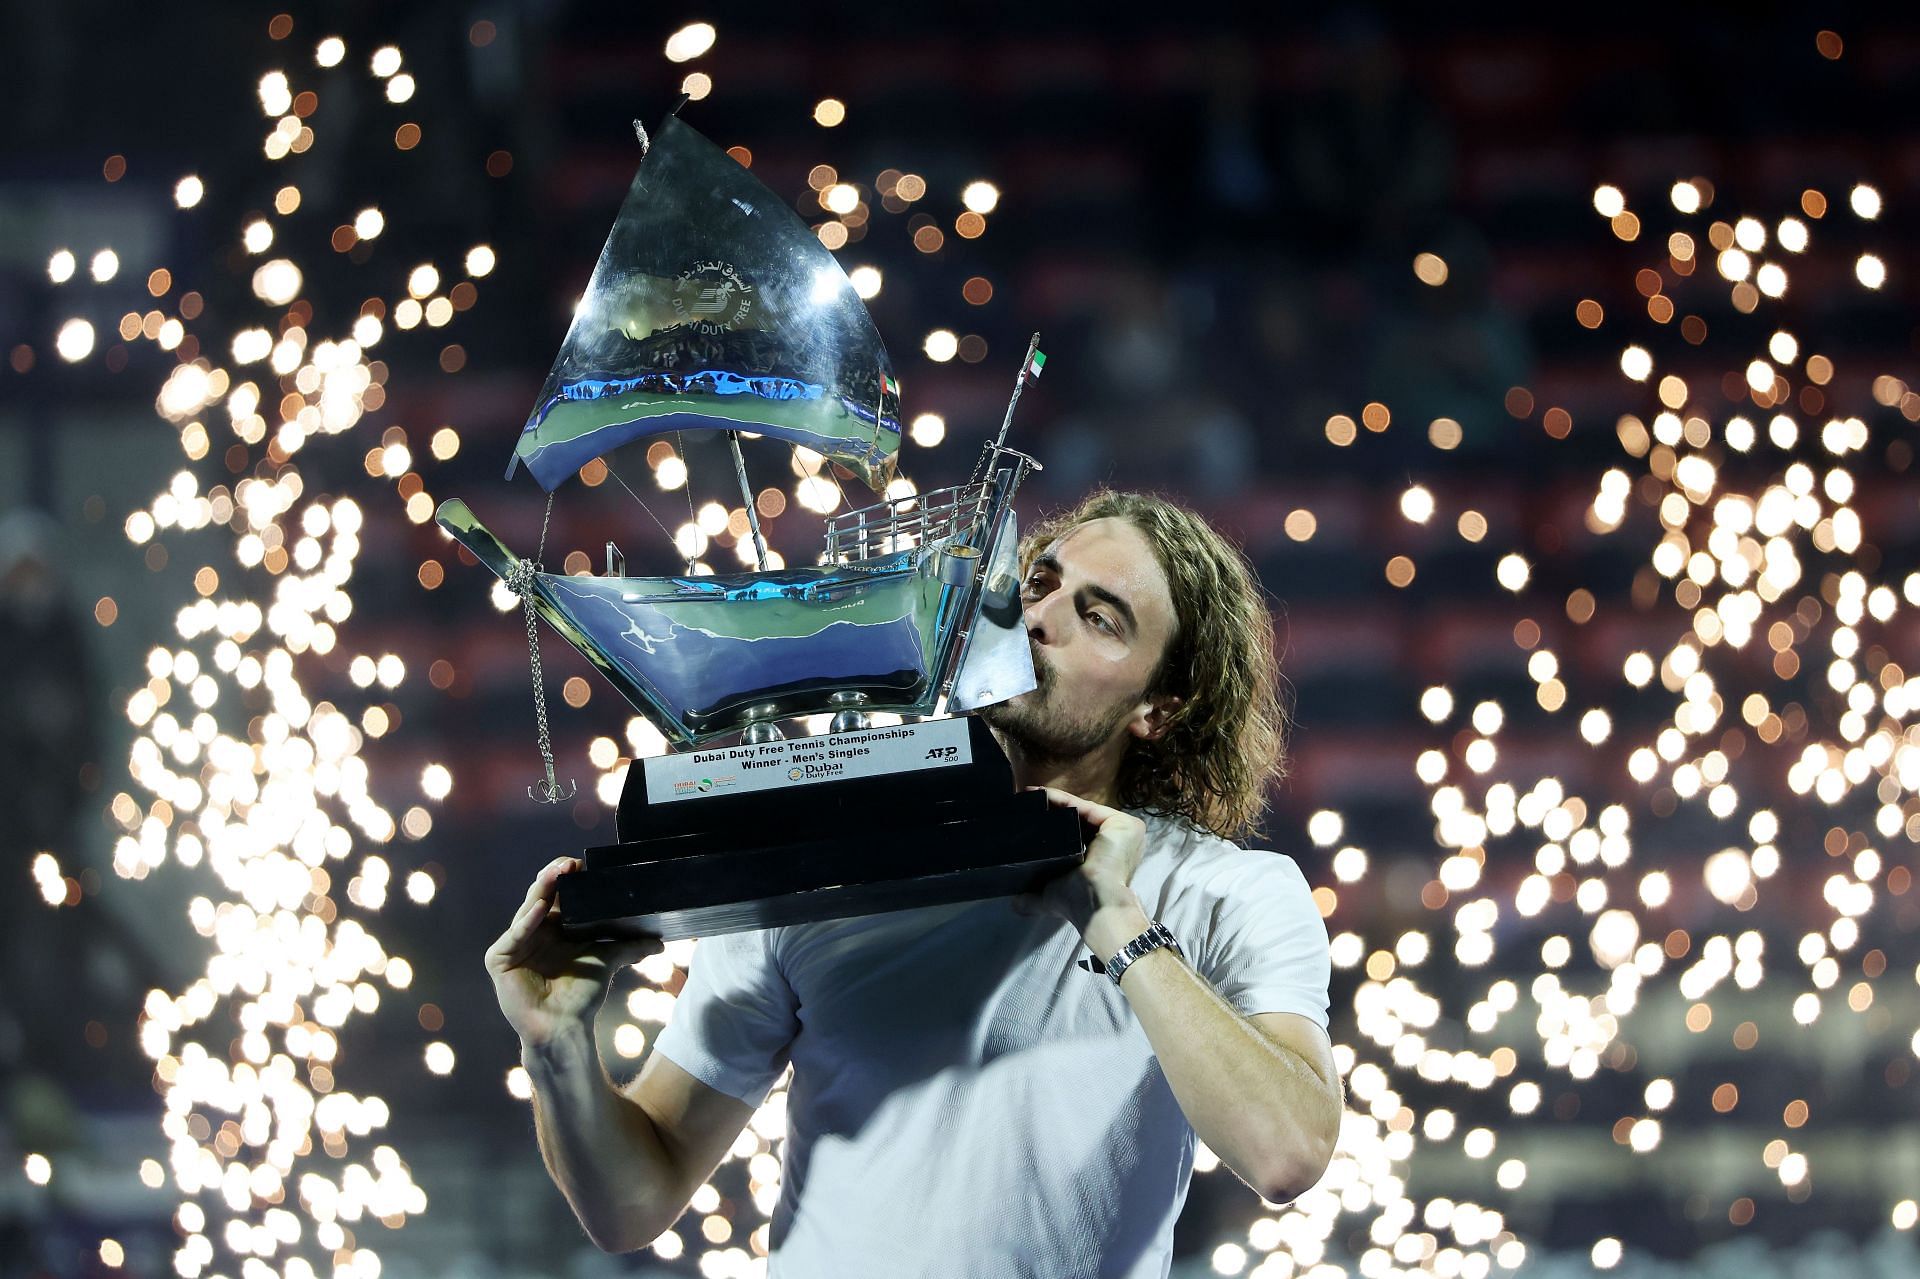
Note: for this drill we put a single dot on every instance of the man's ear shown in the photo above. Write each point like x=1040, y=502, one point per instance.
x=1155, y=717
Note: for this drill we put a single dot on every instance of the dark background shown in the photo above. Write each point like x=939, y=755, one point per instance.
x=1212, y=220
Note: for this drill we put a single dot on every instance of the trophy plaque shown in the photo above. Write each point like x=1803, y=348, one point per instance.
x=714, y=310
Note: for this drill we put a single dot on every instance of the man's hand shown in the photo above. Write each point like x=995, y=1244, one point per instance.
x=1097, y=897
x=546, y=983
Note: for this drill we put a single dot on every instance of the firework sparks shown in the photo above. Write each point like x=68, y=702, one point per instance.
x=1749, y=544
x=248, y=782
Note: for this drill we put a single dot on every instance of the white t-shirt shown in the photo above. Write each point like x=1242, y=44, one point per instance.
x=967, y=1098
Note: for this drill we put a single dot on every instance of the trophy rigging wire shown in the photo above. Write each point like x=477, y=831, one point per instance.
x=793, y=453
x=618, y=479
x=827, y=465
x=679, y=442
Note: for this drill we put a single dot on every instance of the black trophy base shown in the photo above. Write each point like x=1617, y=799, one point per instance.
x=797, y=850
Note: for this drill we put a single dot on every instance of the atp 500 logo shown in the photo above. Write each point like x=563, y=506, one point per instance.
x=944, y=754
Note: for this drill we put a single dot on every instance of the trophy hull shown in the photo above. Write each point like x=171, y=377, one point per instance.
x=702, y=656
x=903, y=824
x=706, y=650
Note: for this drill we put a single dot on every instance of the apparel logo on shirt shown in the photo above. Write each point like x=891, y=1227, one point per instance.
x=1093, y=965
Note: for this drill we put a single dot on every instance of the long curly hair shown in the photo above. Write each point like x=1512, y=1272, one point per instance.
x=1227, y=739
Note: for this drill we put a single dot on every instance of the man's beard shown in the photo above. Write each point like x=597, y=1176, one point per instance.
x=1046, y=731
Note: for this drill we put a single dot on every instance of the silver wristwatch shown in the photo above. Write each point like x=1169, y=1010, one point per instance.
x=1153, y=939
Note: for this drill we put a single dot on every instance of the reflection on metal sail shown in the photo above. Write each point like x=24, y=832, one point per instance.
x=714, y=307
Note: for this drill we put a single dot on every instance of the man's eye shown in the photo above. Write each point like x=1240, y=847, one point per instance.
x=1100, y=620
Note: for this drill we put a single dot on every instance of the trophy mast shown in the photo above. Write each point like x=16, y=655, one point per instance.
x=1032, y=364
x=995, y=497
x=746, y=496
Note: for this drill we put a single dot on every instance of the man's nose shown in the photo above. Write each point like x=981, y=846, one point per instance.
x=1038, y=614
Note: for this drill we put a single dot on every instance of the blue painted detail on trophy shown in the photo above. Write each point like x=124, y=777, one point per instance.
x=551, y=464
x=713, y=381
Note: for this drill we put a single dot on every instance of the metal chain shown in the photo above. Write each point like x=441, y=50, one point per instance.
x=643, y=506
x=520, y=582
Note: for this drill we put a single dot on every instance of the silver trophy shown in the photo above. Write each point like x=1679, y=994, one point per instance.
x=715, y=309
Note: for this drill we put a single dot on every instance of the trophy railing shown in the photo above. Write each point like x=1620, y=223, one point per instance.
x=902, y=523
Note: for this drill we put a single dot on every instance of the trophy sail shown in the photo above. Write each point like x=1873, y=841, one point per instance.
x=713, y=307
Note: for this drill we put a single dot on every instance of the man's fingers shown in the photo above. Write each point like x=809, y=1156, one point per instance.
x=533, y=931
x=549, y=874
x=527, y=908
x=632, y=950
x=531, y=917
x=521, y=914
x=1096, y=814
x=517, y=943
x=540, y=893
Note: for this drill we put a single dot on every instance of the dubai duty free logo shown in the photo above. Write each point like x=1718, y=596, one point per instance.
x=713, y=297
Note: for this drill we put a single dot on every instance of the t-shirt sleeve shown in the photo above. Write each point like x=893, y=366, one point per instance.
x=735, y=1018
x=1267, y=951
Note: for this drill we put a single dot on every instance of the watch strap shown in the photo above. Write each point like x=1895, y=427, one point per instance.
x=1153, y=939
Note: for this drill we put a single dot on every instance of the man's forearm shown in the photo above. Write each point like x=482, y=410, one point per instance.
x=1261, y=1107
x=601, y=1149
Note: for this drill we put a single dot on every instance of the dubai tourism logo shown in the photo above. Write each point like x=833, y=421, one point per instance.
x=713, y=297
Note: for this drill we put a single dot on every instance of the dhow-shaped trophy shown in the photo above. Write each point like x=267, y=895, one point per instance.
x=714, y=308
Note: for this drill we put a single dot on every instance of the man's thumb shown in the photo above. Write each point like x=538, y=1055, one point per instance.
x=631, y=950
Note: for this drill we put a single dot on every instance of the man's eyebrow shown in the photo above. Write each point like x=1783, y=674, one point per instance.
x=1120, y=606
x=1050, y=563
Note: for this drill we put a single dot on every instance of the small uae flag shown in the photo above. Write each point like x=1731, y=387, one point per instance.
x=888, y=386
x=1037, y=363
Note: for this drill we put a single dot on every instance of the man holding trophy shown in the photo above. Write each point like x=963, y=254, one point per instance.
x=967, y=1097
x=1003, y=1049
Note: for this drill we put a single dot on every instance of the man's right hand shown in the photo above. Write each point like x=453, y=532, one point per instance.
x=548, y=984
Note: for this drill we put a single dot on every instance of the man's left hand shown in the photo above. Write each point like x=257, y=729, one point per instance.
x=1096, y=896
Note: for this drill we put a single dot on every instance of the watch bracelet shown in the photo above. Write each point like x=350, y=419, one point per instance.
x=1156, y=936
